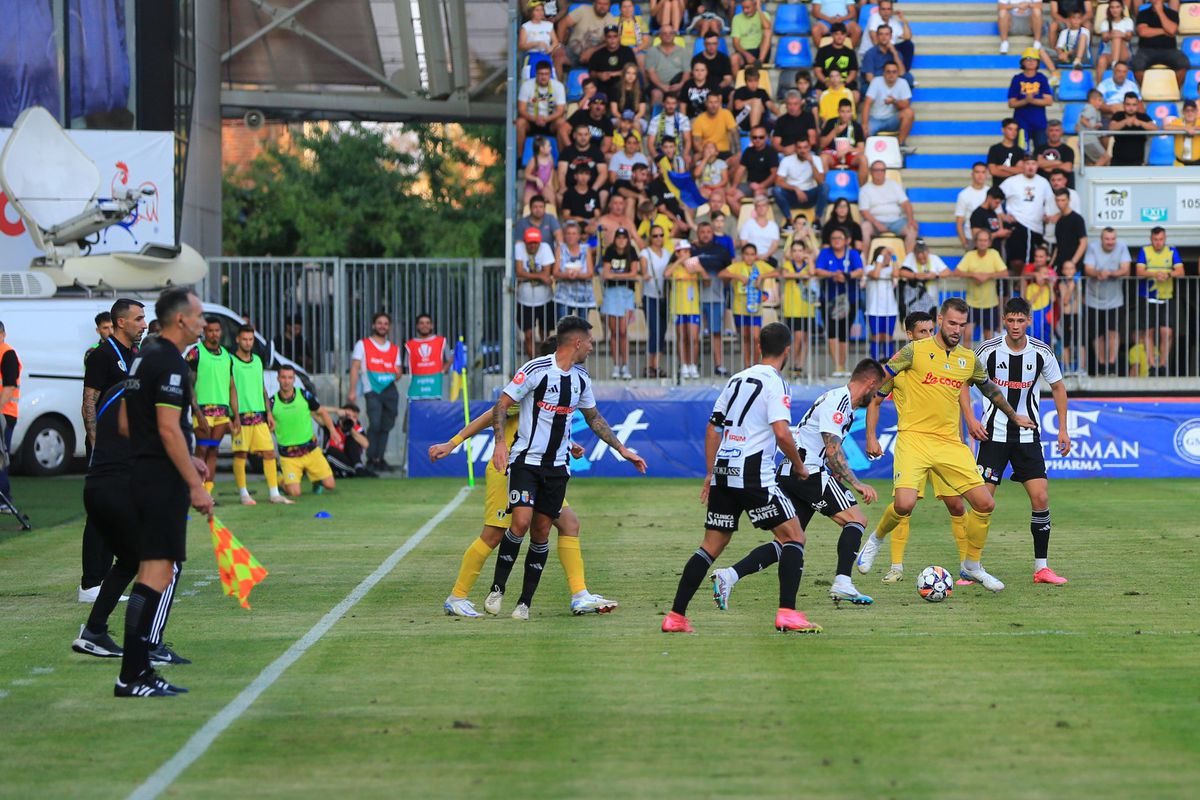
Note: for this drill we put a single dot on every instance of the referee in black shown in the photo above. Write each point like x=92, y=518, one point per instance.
x=105, y=365
x=153, y=417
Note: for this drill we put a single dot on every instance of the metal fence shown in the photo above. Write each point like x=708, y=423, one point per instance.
x=332, y=301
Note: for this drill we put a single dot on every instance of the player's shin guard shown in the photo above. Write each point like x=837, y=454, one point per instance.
x=693, y=573
x=471, y=566
x=158, y=623
x=143, y=602
x=848, y=545
x=1039, y=526
x=758, y=559
x=791, y=567
x=977, y=533
x=900, y=540
x=571, y=557
x=535, y=564
x=888, y=521
x=506, y=559
x=958, y=528
x=239, y=472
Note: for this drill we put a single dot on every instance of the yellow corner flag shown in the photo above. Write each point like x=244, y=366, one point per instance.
x=239, y=570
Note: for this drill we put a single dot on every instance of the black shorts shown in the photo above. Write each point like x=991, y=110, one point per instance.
x=766, y=508
x=161, y=500
x=1020, y=244
x=544, y=489
x=1026, y=459
x=1103, y=320
x=840, y=328
x=808, y=325
x=984, y=319
x=819, y=492
x=111, y=513
x=1157, y=314
x=1144, y=58
x=541, y=316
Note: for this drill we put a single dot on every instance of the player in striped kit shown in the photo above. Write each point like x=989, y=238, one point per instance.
x=548, y=390
x=1016, y=362
x=819, y=436
x=750, y=422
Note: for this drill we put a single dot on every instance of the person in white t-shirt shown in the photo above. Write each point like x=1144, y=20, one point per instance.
x=882, y=274
x=541, y=104
x=1030, y=202
x=968, y=200
x=885, y=207
x=535, y=263
x=799, y=183
x=761, y=231
x=655, y=260
x=918, y=280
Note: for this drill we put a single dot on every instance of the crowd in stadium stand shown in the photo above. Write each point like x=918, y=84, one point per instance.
x=690, y=158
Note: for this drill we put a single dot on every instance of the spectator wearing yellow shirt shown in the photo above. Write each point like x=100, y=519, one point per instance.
x=717, y=126
x=799, y=313
x=1158, y=265
x=1187, y=148
x=981, y=268
x=835, y=92
x=685, y=275
x=745, y=279
x=1037, y=288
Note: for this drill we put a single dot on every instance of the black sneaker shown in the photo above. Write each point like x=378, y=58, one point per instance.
x=148, y=685
x=382, y=466
x=163, y=655
x=100, y=645
x=153, y=677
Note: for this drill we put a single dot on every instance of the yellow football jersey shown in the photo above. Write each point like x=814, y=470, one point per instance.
x=928, y=401
x=511, y=423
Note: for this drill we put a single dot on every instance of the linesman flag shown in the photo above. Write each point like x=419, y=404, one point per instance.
x=240, y=571
x=458, y=370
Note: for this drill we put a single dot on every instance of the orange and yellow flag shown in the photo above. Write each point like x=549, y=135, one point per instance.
x=239, y=570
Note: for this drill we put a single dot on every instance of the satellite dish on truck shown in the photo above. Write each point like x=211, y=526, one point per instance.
x=54, y=186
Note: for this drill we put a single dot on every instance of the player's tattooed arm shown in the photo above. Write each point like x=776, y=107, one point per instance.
x=835, y=460
x=90, y=398
x=604, y=433
x=996, y=396
x=500, y=445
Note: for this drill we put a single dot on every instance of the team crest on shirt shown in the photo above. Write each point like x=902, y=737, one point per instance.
x=174, y=380
x=962, y=362
x=519, y=378
x=838, y=418
x=787, y=401
x=1029, y=366
x=514, y=497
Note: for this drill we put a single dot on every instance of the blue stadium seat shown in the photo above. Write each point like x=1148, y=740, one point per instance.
x=1070, y=117
x=531, y=64
x=792, y=19
x=842, y=183
x=792, y=52
x=1075, y=85
x=575, y=85
x=1162, y=152
x=864, y=15
x=1161, y=112
x=527, y=153
x=1191, y=85
x=722, y=47
x=1191, y=49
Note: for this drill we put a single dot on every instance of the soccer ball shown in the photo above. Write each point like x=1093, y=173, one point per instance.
x=935, y=584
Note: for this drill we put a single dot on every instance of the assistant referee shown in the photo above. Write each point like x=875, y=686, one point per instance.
x=153, y=417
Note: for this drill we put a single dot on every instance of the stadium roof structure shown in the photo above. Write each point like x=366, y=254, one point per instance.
x=385, y=60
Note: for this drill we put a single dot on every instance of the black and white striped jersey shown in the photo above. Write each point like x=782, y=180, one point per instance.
x=752, y=400
x=548, y=397
x=833, y=412
x=1017, y=373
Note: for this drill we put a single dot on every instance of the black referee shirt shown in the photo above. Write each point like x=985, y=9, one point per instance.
x=107, y=365
x=158, y=376
x=109, y=464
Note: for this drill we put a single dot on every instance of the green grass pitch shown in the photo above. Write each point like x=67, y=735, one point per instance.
x=1087, y=690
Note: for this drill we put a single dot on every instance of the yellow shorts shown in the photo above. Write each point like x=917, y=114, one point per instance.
x=917, y=456
x=253, y=439
x=940, y=488
x=215, y=415
x=495, y=503
x=312, y=464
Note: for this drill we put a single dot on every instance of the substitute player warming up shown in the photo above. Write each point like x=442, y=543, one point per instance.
x=1016, y=362
x=819, y=436
x=750, y=422
x=928, y=437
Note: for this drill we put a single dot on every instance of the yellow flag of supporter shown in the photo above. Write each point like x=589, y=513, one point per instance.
x=239, y=570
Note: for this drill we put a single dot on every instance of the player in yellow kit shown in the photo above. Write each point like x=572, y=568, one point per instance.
x=917, y=325
x=928, y=438
x=496, y=521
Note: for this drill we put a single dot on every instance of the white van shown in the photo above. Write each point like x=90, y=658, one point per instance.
x=51, y=336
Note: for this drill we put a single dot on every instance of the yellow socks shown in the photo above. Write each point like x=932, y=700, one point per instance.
x=890, y=520
x=977, y=533
x=958, y=527
x=472, y=563
x=239, y=472
x=571, y=558
x=899, y=539
x=271, y=473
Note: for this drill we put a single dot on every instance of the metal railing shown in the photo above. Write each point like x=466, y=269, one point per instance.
x=333, y=301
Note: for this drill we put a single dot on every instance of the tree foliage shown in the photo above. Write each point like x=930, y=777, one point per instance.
x=352, y=192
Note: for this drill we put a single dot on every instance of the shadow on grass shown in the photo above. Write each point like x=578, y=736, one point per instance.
x=46, y=501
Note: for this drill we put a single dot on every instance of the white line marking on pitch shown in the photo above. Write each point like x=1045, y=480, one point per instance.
x=196, y=746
